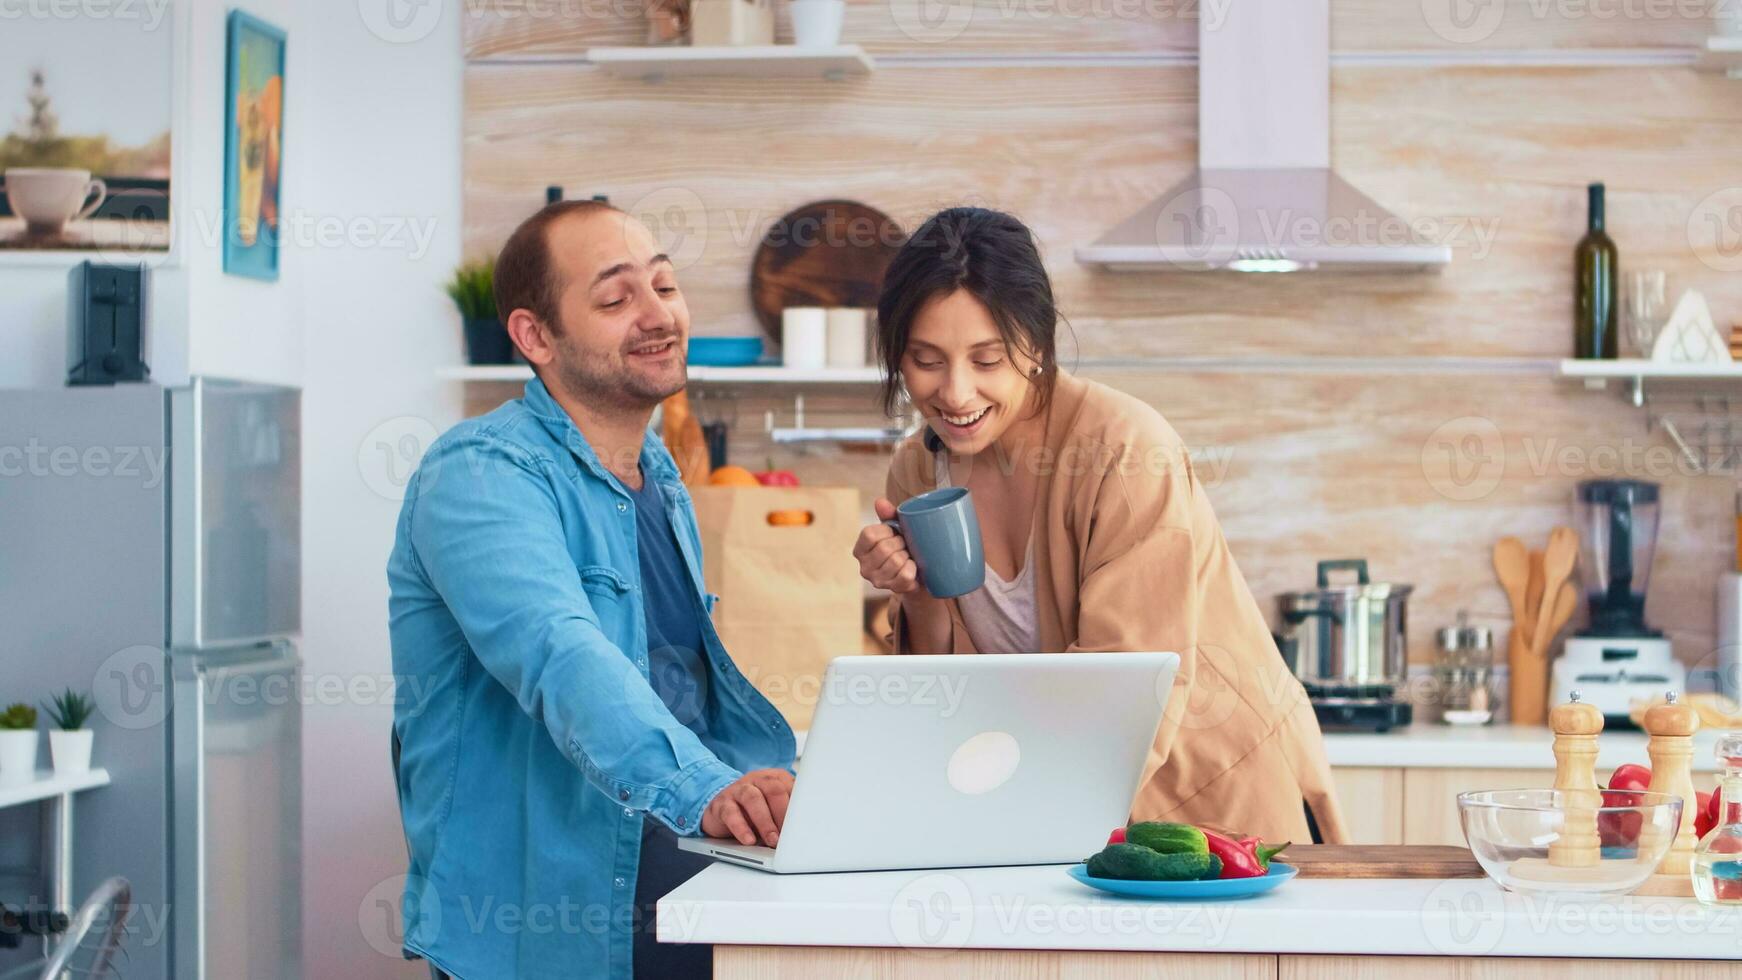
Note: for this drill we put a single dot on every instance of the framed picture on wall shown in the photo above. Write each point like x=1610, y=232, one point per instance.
x=253, y=146
x=86, y=110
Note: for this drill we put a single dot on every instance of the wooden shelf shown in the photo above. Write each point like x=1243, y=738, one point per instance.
x=756, y=374
x=1723, y=52
x=47, y=785
x=750, y=61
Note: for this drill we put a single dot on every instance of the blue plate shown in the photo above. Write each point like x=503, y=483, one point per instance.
x=725, y=351
x=1188, y=891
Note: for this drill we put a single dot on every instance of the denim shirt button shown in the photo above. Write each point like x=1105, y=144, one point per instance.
x=622, y=794
x=620, y=882
x=621, y=506
x=680, y=822
x=628, y=812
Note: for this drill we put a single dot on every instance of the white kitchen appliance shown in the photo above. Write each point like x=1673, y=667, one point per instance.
x=961, y=762
x=1618, y=659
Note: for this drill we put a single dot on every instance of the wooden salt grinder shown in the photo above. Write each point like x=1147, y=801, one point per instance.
x=1576, y=727
x=1671, y=727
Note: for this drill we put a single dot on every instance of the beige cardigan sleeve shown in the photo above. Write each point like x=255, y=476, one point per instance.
x=1138, y=577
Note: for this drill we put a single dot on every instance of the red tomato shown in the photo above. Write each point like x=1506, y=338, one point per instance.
x=1706, y=818
x=1630, y=776
x=1117, y=836
x=1619, y=829
x=777, y=478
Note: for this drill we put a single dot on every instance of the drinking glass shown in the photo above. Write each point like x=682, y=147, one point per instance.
x=1644, y=308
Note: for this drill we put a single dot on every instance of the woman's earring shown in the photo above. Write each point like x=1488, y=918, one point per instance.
x=1034, y=372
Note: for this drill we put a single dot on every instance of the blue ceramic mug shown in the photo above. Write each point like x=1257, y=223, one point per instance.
x=943, y=536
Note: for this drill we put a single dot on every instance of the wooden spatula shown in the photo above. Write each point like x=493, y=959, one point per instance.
x=1512, y=565
x=1533, y=596
x=1557, y=564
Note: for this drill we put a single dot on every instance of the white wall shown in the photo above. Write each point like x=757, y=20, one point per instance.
x=371, y=200
x=202, y=320
x=380, y=122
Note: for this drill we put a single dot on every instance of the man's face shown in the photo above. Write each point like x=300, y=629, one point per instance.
x=623, y=323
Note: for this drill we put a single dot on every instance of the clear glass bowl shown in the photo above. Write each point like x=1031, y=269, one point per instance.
x=1516, y=835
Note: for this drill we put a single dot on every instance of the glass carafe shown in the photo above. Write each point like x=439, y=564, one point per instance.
x=1718, y=857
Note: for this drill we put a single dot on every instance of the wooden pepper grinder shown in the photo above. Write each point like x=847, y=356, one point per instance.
x=1671, y=726
x=1576, y=727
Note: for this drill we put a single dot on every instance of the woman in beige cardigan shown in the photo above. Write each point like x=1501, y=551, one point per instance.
x=1096, y=532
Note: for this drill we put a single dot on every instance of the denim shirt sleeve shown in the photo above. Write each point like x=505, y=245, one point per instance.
x=486, y=530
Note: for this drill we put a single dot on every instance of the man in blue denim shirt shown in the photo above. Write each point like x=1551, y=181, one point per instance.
x=536, y=747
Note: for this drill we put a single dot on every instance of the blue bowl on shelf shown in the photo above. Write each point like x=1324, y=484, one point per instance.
x=725, y=351
x=1188, y=891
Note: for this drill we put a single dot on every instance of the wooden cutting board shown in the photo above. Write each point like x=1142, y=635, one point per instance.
x=827, y=253
x=1381, y=861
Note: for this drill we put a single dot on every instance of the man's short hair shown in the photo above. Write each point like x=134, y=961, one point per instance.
x=525, y=276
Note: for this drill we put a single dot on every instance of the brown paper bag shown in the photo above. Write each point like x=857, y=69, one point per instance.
x=790, y=594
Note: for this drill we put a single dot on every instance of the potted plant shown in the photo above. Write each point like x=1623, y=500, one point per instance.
x=18, y=744
x=69, y=742
x=473, y=290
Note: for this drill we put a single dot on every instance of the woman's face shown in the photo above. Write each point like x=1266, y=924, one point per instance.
x=959, y=375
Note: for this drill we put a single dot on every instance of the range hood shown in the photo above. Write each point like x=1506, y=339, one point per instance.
x=1264, y=197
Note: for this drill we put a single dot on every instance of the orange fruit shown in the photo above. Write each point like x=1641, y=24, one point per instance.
x=732, y=476
x=790, y=518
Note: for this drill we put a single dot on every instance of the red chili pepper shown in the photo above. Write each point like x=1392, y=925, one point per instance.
x=1244, y=858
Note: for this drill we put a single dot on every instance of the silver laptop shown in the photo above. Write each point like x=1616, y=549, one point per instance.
x=966, y=761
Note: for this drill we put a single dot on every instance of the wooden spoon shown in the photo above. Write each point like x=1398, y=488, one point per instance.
x=1512, y=564
x=1557, y=566
x=1533, y=595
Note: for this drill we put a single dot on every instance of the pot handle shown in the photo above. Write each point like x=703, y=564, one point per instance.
x=1357, y=565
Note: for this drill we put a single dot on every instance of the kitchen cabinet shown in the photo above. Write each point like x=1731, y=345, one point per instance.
x=1372, y=799
x=1430, y=798
x=1418, y=805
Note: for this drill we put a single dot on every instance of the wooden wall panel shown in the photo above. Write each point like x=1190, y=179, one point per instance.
x=964, y=27
x=1494, y=162
x=1305, y=466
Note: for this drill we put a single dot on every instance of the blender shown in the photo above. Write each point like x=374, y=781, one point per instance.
x=1618, y=658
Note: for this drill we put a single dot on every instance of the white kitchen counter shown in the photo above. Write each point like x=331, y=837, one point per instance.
x=1039, y=908
x=1430, y=745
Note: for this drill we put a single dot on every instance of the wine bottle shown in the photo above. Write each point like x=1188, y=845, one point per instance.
x=1594, y=283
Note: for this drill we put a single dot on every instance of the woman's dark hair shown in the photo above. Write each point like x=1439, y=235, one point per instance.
x=994, y=257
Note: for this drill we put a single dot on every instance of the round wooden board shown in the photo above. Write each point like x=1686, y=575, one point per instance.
x=827, y=253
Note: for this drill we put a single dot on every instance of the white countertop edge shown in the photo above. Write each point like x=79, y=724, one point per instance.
x=1433, y=746
x=1426, y=745
x=1039, y=908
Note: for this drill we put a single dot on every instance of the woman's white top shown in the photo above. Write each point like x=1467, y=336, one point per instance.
x=999, y=614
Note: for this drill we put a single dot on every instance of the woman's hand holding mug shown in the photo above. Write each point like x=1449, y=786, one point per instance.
x=882, y=552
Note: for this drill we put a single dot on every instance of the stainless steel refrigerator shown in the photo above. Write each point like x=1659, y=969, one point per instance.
x=150, y=552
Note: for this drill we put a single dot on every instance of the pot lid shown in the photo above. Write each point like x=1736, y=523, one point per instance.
x=1362, y=587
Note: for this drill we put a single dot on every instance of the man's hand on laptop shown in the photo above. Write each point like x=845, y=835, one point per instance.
x=751, y=810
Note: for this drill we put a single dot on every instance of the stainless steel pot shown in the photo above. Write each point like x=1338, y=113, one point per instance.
x=1347, y=635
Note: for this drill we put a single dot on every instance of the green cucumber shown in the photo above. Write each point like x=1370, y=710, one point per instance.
x=1134, y=862
x=1168, y=838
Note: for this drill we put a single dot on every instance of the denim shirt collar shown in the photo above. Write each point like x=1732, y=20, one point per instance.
x=655, y=464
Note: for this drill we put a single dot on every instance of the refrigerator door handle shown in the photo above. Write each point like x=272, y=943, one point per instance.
x=277, y=665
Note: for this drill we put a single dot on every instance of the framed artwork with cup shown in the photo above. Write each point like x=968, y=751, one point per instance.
x=253, y=146
x=85, y=167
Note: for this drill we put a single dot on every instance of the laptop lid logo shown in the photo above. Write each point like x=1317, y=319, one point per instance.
x=983, y=763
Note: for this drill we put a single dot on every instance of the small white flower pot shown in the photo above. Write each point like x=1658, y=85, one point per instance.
x=17, y=756
x=71, y=751
x=817, y=23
